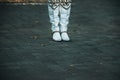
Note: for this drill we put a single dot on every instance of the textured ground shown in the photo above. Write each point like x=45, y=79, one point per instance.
x=27, y=51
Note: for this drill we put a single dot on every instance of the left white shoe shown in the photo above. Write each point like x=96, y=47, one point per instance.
x=56, y=36
x=65, y=36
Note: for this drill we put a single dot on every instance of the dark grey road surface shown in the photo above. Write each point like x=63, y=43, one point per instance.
x=27, y=51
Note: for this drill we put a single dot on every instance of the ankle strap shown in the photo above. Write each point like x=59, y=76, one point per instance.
x=64, y=32
x=55, y=31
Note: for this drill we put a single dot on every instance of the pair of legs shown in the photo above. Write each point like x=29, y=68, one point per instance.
x=59, y=12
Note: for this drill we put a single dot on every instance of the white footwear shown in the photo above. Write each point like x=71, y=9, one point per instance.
x=56, y=36
x=59, y=17
x=54, y=16
x=64, y=20
x=65, y=36
x=64, y=16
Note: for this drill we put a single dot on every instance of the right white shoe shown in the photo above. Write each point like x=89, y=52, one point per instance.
x=65, y=36
x=56, y=36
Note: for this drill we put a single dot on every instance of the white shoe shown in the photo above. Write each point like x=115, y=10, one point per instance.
x=65, y=36
x=56, y=36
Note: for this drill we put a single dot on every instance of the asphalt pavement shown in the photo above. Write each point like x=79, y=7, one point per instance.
x=27, y=51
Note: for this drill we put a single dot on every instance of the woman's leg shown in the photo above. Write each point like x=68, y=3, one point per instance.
x=64, y=19
x=53, y=9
